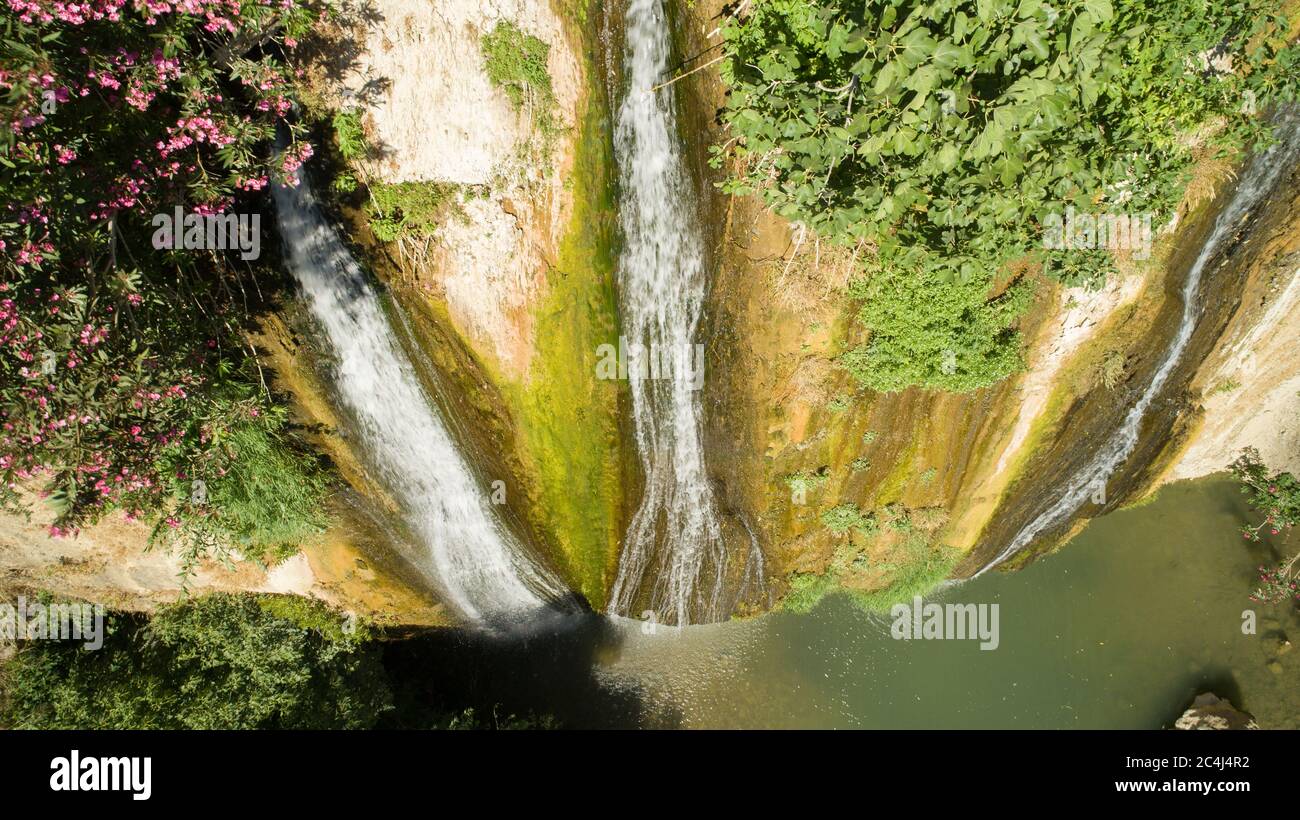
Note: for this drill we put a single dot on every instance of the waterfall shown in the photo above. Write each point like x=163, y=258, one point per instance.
x=674, y=534
x=1258, y=179
x=478, y=566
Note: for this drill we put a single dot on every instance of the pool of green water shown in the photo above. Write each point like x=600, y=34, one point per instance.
x=1120, y=629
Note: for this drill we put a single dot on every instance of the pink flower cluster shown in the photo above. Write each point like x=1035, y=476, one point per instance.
x=114, y=459
x=91, y=336
x=125, y=192
x=74, y=14
x=279, y=104
x=294, y=157
x=219, y=15
x=189, y=130
x=26, y=116
x=31, y=251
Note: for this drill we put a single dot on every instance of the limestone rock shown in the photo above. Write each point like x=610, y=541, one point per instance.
x=1209, y=711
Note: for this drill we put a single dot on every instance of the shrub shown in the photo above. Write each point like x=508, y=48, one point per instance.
x=120, y=363
x=847, y=516
x=515, y=62
x=217, y=662
x=941, y=135
x=925, y=330
x=252, y=489
x=1279, y=584
x=1278, y=496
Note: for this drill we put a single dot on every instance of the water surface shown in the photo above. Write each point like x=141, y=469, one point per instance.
x=1120, y=629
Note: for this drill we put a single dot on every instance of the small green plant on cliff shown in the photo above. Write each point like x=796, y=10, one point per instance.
x=929, y=519
x=349, y=137
x=847, y=517
x=807, y=589
x=1112, y=369
x=916, y=569
x=915, y=559
x=344, y=183
x=349, y=147
x=897, y=518
x=413, y=209
x=801, y=482
x=515, y=62
x=1225, y=386
x=409, y=209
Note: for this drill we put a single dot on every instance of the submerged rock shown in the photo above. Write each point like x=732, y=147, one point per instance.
x=1209, y=711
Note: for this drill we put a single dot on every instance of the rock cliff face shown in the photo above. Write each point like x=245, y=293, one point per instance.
x=511, y=296
x=511, y=299
x=108, y=563
x=432, y=114
x=506, y=304
x=1248, y=387
x=793, y=438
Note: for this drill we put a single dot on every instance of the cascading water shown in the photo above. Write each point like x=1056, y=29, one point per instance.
x=674, y=534
x=476, y=563
x=1259, y=178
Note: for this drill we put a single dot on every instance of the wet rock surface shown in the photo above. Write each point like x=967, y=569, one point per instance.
x=1209, y=711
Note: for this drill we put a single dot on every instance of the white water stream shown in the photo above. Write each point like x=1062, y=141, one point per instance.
x=478, y=565
x=1256, y=182
x=673, y=540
